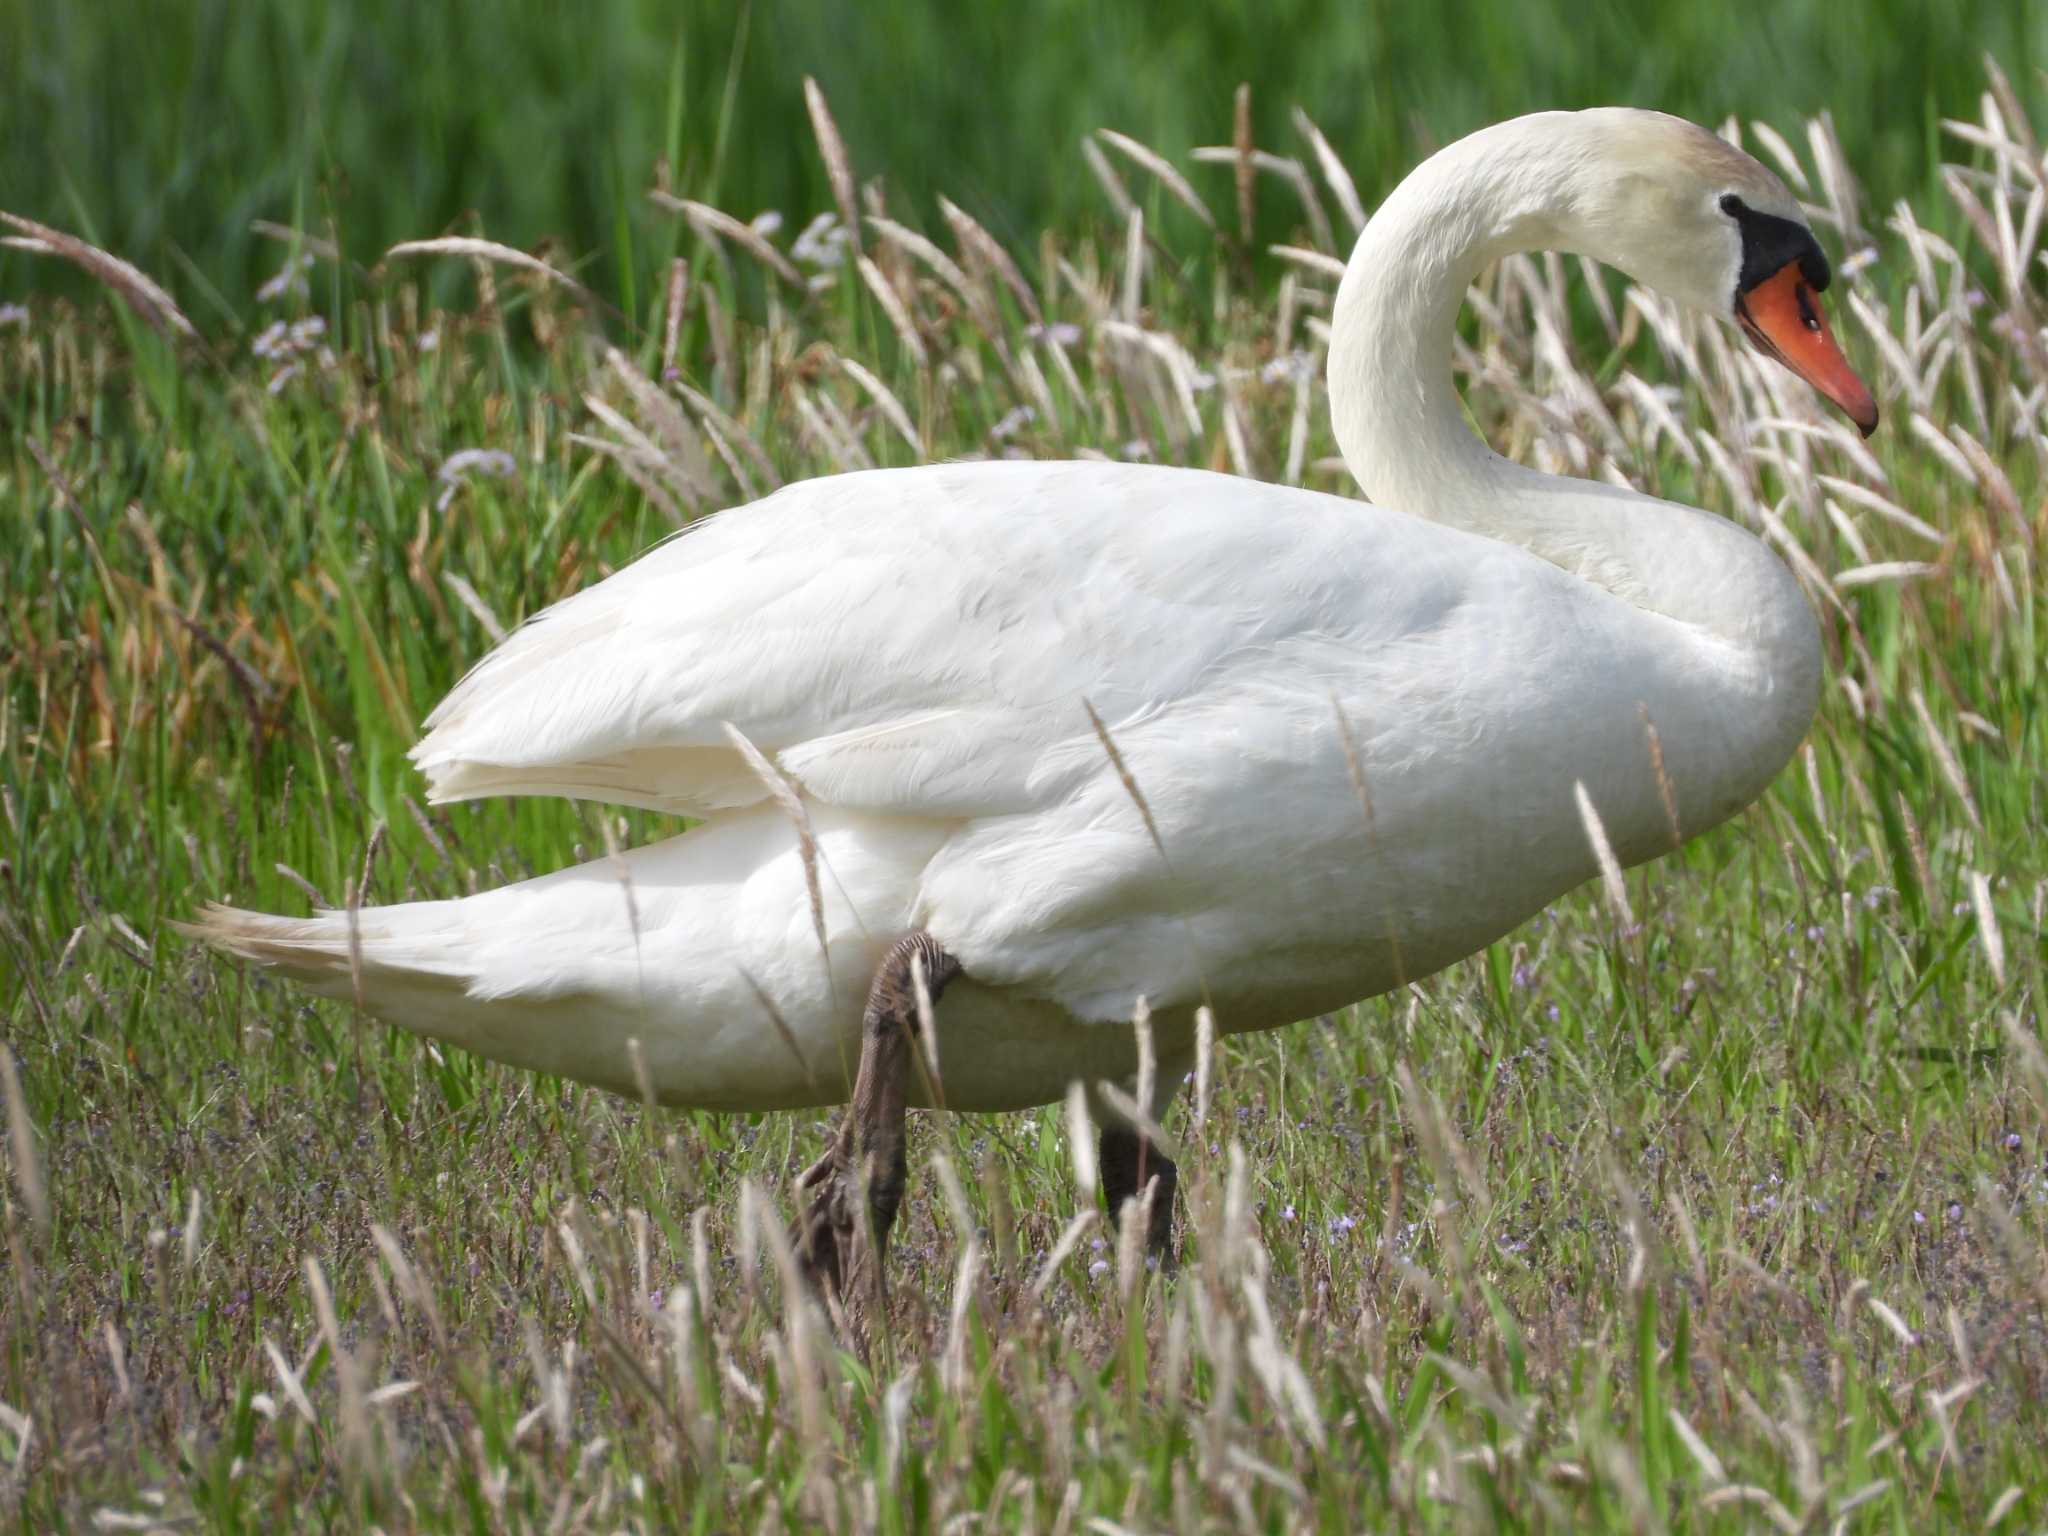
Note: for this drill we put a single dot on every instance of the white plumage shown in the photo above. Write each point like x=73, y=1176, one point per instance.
x=918, y=652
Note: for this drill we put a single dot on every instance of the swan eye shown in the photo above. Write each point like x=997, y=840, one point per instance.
x=1769, y=241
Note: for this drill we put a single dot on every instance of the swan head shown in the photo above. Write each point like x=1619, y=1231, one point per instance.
x=1683, y=211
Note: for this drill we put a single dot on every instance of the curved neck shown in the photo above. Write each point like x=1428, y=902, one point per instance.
x=1395, y=410
x=1547, y=183
x=1536, y=183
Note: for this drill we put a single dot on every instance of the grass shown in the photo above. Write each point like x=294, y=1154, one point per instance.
x=1727, y=1218
x=163, y=131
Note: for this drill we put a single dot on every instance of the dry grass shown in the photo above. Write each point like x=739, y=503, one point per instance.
x=1712, y=1202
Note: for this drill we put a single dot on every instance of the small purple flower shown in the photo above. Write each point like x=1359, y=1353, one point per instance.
x=1919, y=1218
x=2012, y=1141
x=1525, y=976
x=1287, y=1213
x=1099, y=1267
x=1296, y=365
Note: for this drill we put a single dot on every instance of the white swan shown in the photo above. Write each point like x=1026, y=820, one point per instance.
x=918, y=651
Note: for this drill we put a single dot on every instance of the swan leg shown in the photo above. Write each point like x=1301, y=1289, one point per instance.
x=1133, y=1168
x=843, y=1235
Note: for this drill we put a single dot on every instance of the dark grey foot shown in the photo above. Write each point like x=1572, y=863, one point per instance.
x=843, y=1235
x=1128, y=1162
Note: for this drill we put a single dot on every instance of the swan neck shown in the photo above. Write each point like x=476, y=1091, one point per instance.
x=1535, y=183
x=1395, y=409
x=1544, y=183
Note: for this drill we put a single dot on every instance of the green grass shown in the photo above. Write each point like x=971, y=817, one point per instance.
x=162, y=130
x=1591, y=1232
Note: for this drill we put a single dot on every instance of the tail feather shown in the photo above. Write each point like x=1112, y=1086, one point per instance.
x=688, y=964
x=710, y=778
x=333, y=953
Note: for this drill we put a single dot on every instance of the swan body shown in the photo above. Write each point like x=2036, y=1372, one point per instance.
x=1348, y=738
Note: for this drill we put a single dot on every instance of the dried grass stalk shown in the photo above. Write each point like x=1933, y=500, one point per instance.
x=143, y=294
x=1289, y=170
x=832, y=149
x=984, y=247
x=885, y=401
x=1081, y=1138
x=1603, y=855
x=21, y=1136
x=728, y=429
x=715, y=224
x=645, y=450
x=672, y=312
x=1161, y=168
x=1314, y=261
x=489, y=250
x=1247, y=174
x=1335, y=176
x=1106, y=176
x=893, y=306
x=790, y=800
x=688, y=467
x=929, y=255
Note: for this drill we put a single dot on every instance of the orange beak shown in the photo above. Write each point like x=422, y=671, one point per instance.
x=1782, y=318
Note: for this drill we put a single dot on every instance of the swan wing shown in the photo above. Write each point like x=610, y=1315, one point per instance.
x=925, y=642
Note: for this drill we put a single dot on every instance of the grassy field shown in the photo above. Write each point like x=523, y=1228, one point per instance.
x=1720, y=1209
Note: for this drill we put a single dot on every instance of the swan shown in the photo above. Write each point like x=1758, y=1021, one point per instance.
x=1048, y=743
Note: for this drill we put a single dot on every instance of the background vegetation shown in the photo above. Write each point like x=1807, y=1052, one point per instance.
x=162, y=130
x=1715, y=1203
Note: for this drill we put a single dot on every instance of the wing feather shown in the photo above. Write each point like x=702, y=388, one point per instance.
x=912, y=641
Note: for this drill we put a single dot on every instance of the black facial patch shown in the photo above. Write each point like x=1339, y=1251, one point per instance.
x=1770, y=244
